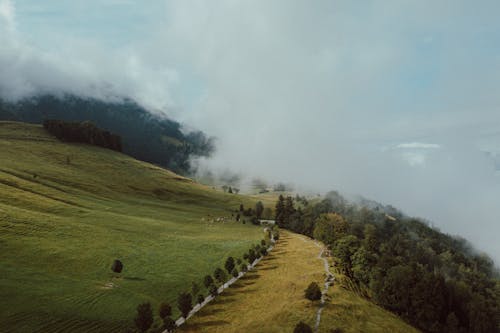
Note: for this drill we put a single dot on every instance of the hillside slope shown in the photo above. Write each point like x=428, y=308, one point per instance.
x=68, y=210
x=271, y=298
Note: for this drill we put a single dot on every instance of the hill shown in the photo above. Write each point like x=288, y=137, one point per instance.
x=271, y=298
x=147, y=137
x=68, y=210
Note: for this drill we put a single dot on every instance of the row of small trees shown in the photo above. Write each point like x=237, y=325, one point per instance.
x=232, y=268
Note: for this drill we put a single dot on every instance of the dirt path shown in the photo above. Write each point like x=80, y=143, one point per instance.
x=328, y=280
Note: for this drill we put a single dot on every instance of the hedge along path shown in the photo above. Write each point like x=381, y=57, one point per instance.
x=269, y=298
x=181, y=320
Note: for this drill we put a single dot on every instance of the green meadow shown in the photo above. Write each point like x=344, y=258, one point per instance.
x=68, y=210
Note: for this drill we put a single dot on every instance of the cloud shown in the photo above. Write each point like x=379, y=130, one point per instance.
x=297, y=91
x=418, y=145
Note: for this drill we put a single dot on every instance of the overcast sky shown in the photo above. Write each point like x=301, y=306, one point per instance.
x=394, y=100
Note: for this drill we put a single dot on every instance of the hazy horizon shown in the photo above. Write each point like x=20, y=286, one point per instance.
x=396, y=101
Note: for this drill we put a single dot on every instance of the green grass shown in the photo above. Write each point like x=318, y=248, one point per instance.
x=271, y=298
x=62, y=224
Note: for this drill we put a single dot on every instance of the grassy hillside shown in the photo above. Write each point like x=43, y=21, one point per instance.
x=68, y=210
x=271, y=298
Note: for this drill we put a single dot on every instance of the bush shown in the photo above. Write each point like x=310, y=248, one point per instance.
x=200, y=298
x=244, y=267
x=235, y=273
x=144, y=318
x=313, y=293
x=117, y=266
x=220, y=275
x=165, y=310
x=302, y=327
x=213, y=290
x=169, y=324
x=208, y=281
x=229, y=265
x=184, y=303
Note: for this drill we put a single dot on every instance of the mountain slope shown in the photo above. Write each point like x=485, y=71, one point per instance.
x=68, y=210
x=151, y=138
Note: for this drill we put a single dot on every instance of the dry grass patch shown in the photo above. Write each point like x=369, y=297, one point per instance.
x=270, y=298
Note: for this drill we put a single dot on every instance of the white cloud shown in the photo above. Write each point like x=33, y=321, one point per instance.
x=418, y=145
x=305, y=92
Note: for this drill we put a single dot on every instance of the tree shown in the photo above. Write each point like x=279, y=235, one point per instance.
x=200, y=298
x=169, y=324
x=229, y=265
x=144, y=318
x=165, y=310
x=313, y=293
x=230, y=190
x=117, y=266
x=208, y=281
x=235, y=273
x=224, y=188
x=259, y=209
x=302, y=327
x=343, y=250
x=280, y=209
x=329, y=228
x=220, y=275
x=213, y=290
x=243, y=268
x=242, y=208
x=184, y=303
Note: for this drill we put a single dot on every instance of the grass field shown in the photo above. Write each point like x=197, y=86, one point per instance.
x=68, y=210
x=271, y=299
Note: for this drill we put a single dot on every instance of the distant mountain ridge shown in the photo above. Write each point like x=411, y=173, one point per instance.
x=148, y=137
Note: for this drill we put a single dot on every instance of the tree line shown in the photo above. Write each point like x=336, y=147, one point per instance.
x=435, y=282
x=186, y=300
x=83, y=132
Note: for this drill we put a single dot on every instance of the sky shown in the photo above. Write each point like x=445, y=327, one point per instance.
x=395, y=100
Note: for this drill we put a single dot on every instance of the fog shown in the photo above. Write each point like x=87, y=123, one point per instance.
x=395, y=100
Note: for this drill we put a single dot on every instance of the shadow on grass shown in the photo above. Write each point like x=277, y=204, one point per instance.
x=250, y=276
x=196, y=327
x=209, y=311
x=268, y=268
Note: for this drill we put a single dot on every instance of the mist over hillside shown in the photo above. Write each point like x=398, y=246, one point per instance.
x=396, y=102
x=146, y=136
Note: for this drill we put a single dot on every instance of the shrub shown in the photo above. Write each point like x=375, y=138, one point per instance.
x=208, y=281
x=220, y=275
x=200, y=298
x=184, y=303
x=235, y=273
x=313, y=293
x=302, y=327
x=117, y=266
x=244, y=267
x=165, y=310
x=144, y=318
x=213, y=290
x=229, y=265
x=169, y=324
